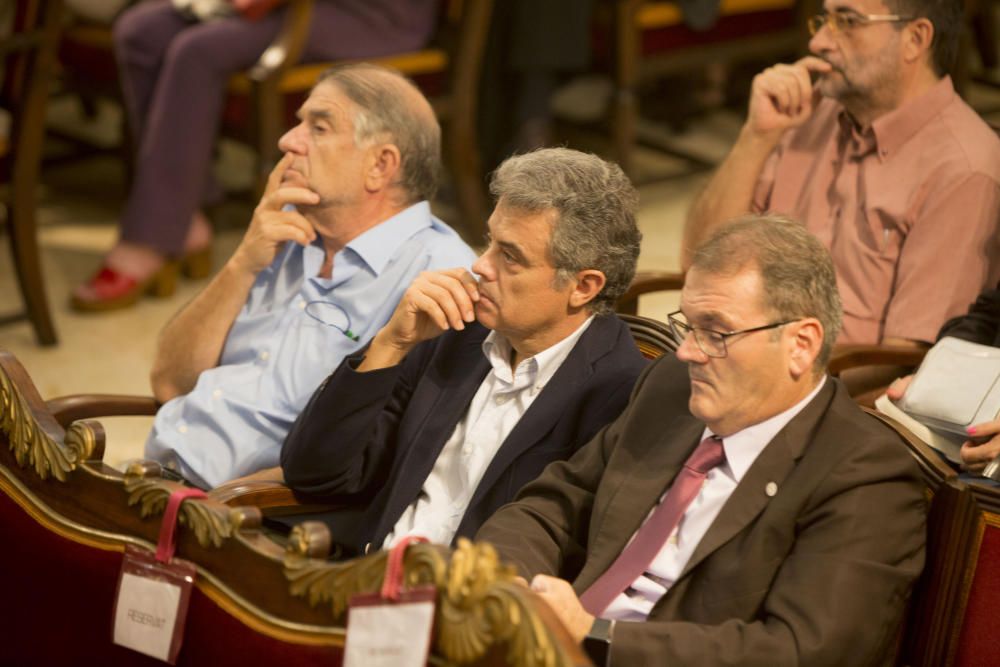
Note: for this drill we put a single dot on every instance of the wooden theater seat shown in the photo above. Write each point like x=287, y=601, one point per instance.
x=652, y=337
x=650, y=41
x=975, y=618
x=646, y=282
x=868, y=370
x=952, y=617
x=66, y=519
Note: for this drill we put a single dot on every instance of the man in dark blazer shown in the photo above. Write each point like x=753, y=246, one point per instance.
x=474, y=386
x=805, y=530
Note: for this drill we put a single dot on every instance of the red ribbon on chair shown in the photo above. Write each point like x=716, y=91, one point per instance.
x=393, y=583
x=165, y=547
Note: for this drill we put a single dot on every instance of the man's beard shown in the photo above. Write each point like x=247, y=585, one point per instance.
x=877, y=92
x=834, y=84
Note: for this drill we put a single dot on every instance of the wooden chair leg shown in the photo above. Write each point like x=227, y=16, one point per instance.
x=626, y=102
x=24, y=249
x=462, y=148
x=21, y=221
x=28, y=132
x=469, y=188
x=268, y=122
x=466, y=167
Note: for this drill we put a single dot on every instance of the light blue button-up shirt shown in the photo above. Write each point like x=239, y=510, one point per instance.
x=277, y=352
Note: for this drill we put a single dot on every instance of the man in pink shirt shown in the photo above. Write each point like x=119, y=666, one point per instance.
x=868, y=144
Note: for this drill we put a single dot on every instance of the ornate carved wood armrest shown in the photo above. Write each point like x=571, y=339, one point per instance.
x=273, y=497
x=854, y=356
x=68, y=409
x=645, y=282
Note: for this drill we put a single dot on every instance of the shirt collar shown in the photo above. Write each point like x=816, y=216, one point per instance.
x=891, y=131
x=858, y=142
x=743, y=447
x=539, y=368
x=376, y=246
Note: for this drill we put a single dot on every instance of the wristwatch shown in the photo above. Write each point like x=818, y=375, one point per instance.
x=597, y=643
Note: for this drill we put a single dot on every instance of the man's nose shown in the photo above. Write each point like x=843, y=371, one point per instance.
x=822, y=41
x=291, y=142
x=689, y=351
x=482, y=267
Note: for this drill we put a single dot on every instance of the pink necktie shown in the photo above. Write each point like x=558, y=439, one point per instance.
x=649, y=539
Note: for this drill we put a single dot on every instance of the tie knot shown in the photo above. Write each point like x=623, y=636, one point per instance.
x=708, y=454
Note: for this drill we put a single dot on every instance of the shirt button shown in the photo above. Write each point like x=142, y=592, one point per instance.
x=264, y=355
x=302, y=304
x=217, y=393
x=182, y=428
x=500, y=400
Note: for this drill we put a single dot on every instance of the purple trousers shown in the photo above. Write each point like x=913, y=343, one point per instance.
x=174, y=75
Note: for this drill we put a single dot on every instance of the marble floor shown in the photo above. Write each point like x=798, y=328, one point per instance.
x=112, y=353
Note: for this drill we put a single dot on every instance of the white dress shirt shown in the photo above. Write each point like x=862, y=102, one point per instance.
x=499, y=403
x=742, y=449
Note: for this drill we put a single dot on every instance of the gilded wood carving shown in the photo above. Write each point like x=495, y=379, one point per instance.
x=210, y=526
x=32, y=445
x=479, y=605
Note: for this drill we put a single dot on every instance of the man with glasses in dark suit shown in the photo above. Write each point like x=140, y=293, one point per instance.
x=866, y=142
x=742, y=510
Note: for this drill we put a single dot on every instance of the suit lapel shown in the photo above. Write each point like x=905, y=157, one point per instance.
x=772, y=467
x=565, y=386
x=443, y=397
x=637, y=494
x=446, y=390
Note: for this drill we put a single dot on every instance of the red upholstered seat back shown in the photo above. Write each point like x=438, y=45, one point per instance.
x=58, y=595
x=978, y=639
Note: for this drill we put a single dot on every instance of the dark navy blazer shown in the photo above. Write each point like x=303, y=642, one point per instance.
x=368, y=441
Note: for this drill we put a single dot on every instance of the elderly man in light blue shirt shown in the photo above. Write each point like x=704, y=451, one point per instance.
x=342, y=229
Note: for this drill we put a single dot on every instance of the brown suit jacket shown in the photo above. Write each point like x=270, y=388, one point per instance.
x=816, y=574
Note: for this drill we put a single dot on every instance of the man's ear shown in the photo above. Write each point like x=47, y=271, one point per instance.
x=588, y=284
x=383, y=167
x=918, y=38
x=805, y=341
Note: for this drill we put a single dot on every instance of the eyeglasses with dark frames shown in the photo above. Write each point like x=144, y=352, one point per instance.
x=712, y=343
x=844, y=21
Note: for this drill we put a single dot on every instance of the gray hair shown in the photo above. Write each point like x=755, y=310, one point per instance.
x=390, y=106
x=595, y=203
x=797, y=273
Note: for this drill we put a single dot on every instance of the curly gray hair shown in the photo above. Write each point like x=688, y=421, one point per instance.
x=595, y=226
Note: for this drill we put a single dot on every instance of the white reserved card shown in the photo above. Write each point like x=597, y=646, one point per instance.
x=146, y=615
x=151, y=604
x=389, y=634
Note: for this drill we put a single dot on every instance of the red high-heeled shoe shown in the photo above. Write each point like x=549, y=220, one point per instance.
x=109, y=289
